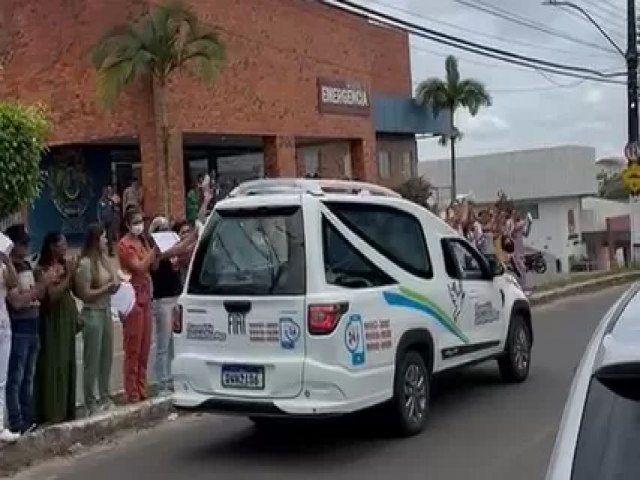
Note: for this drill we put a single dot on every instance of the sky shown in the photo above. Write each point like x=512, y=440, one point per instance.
x=529, y=109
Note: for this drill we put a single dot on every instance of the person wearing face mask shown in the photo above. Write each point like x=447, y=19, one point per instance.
x=95, y=282
x=136, y=258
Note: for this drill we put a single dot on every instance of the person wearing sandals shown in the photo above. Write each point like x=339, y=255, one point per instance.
x=95, y=281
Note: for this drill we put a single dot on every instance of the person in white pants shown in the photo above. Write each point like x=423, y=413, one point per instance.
x=8, y=280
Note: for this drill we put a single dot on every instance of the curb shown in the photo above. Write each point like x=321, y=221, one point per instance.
x=588, y=286
x=67, y=438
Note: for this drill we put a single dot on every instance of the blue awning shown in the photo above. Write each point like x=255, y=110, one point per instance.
x=394, y=114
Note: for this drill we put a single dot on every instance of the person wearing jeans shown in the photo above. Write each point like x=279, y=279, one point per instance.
x=24, y=313
x=8, y=281
x=167, y=286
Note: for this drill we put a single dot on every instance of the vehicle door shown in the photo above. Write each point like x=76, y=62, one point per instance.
x=386, y=246
x=479, y=302
x=245, y=303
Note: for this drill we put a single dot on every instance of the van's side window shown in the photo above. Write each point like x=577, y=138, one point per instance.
x=461, y=260
x=345, y=266
x=395, y=234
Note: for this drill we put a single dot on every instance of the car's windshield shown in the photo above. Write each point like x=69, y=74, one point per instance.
x=251, y=252
x=609, y=438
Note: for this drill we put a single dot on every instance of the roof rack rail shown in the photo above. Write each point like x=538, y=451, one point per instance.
x=311, y=186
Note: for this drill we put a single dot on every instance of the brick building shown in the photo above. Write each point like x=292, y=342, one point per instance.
x=306, y=88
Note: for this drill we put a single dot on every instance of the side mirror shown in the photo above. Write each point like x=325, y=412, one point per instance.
x=496, y=268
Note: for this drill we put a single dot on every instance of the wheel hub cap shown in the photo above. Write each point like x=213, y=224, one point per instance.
x=415, y=393
x=521, y=350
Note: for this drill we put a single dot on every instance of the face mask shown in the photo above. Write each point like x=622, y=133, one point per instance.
x=137, y=229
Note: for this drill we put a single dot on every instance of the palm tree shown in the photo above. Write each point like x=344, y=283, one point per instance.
x=167, y=39
x=451, y=94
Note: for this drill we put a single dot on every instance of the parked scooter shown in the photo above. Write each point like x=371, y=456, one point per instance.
x=535, y=262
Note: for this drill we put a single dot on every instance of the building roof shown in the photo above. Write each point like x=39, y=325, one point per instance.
x=553, y=172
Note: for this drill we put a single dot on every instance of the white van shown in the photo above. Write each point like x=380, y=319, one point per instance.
x=309, y=298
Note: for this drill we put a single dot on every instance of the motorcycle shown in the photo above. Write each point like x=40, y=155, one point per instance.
x=535, y=262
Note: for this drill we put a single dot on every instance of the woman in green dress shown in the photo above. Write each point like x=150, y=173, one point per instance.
x=55, y=384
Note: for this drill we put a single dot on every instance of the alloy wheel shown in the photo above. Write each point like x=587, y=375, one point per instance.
x=415, y=393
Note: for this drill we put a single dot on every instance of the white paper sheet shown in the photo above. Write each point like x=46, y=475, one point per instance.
x=165, y=240
x=6, y=245
x=124, y=299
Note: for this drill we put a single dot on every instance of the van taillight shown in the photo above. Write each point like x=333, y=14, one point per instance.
x=322, y=319
x=177, y=319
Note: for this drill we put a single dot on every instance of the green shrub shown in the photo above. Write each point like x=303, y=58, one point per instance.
x=23, y=133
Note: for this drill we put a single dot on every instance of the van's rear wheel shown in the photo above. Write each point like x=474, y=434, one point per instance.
x=410, y=404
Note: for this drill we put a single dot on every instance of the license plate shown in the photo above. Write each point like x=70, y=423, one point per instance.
x=245, y=377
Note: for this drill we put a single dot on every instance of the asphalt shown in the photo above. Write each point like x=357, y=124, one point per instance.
x=479, y=428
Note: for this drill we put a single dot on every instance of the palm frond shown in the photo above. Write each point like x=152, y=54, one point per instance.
x=453, y=74
x=167, y=39
x=432, y=93
x=474, y=95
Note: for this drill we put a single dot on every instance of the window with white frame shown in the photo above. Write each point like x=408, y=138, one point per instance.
x=384, y=164
x=407, y=165
x=311, y=160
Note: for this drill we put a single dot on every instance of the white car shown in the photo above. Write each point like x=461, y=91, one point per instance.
x=309, y=298
x=599, y=435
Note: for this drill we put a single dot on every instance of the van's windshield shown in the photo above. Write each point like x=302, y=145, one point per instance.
x=251, y=252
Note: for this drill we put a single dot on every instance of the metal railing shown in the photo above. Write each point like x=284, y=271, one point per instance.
x=311, y=186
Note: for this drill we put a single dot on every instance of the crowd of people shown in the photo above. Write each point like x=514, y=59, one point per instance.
x=497, y=230
x=40, y=315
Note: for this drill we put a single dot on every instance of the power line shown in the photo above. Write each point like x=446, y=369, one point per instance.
x=491, y=52
x=510, y=41
x=511, y=17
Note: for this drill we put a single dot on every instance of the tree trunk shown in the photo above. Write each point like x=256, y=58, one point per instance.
x=452, y=145
x=163, y=138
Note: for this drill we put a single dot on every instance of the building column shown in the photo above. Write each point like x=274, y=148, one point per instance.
x=363, y=162
x=280, y=156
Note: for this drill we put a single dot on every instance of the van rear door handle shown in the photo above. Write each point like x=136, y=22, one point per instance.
x=234, y=306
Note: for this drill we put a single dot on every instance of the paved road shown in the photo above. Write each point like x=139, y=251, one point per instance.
x=479, y=429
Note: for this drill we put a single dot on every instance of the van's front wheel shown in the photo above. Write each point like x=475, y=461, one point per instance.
x=410, y=404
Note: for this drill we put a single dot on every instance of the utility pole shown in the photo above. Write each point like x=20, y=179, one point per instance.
x=632, y=121
x=632, y=72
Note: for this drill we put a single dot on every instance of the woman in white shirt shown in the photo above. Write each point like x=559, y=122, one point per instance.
x=8, y=281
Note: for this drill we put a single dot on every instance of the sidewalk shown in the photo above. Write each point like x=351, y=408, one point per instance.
x=67, y=438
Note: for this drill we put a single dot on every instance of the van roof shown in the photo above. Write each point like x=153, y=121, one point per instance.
x=316, y=187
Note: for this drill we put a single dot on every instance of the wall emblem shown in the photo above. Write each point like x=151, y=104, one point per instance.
x=70, y=188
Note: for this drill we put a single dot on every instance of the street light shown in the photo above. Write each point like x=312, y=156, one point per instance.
x=631, y=57
x=586, y=14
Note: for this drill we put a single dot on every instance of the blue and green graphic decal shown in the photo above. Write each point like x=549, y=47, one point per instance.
x=407, y=298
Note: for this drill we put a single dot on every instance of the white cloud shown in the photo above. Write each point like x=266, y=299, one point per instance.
x=530, y=110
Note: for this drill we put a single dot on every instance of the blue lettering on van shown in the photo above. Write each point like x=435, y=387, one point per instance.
x=354, y=340
x=289, y=333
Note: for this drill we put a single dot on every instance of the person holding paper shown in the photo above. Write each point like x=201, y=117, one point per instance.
x=55, y=384
x=23, y=305
x=136, y=258
x=95, y=282
x=167, y=286
x=8, y=281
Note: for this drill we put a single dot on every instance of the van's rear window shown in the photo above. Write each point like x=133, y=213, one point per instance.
x=251, y=252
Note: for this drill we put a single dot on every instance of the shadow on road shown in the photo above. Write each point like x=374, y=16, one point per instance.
x=342, y=439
